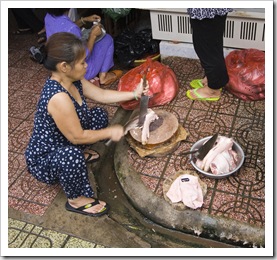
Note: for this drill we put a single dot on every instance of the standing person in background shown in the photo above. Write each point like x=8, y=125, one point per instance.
x=64, y=126
x=208, y=25
x=99, y=54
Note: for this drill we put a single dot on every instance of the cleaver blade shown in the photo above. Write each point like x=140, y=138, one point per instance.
x=143, y=105
x=206, y=147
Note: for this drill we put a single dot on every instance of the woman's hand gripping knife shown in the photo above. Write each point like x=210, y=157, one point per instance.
x=141, y=89
x=137, y=93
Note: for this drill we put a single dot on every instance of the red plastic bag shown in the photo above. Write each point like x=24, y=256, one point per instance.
x=246, y=70
x=163, y=84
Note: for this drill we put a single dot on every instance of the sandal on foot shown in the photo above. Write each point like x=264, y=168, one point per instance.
x=80, y=210
x=199, y=97
x=118, y=74
x=196, y=83
x=95, y=154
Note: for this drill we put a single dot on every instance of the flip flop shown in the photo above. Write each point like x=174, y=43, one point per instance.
x=196, y=83
x=118, y=74
x=90, y=155
x=199, y=97
x=80, y=210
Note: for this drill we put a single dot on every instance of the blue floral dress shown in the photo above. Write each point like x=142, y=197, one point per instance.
x=50, y=156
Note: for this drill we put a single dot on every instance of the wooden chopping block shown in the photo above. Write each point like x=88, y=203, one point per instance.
x=162, y=133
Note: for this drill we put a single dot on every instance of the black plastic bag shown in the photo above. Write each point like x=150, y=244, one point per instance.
x=130, y=46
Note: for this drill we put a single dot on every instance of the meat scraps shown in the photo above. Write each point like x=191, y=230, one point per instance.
x=246, y=70
x=221, y=158
x=150, y=117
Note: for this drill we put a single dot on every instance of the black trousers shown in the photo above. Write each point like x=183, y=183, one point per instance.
x=25, y=18
x=207, y=35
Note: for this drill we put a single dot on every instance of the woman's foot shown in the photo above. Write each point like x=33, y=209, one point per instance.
x=204, y=94
x=42, y=31
x=205, y=82
x=91, y=156
x=42, y=38
x=107, y=78
x=84, y=205
x=199, y=83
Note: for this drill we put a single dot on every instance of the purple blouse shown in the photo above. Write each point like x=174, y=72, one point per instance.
x=55, y=24
x=100, y=59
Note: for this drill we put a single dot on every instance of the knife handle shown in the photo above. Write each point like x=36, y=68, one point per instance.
x=108, y=143
x=188, y=152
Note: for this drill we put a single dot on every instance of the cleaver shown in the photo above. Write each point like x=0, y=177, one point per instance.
x=143, y=106
x=204, y=149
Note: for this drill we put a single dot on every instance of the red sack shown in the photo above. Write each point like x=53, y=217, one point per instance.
x=162, y=81
x=246, y=70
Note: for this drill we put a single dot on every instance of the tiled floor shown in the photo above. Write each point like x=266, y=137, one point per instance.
x=240, y=197
x=25, y=235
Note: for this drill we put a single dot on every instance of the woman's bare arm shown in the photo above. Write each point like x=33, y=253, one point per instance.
x=107, y=96
x=63, y=112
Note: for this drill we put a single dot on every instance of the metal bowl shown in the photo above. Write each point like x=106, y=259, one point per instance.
x=236, y=147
